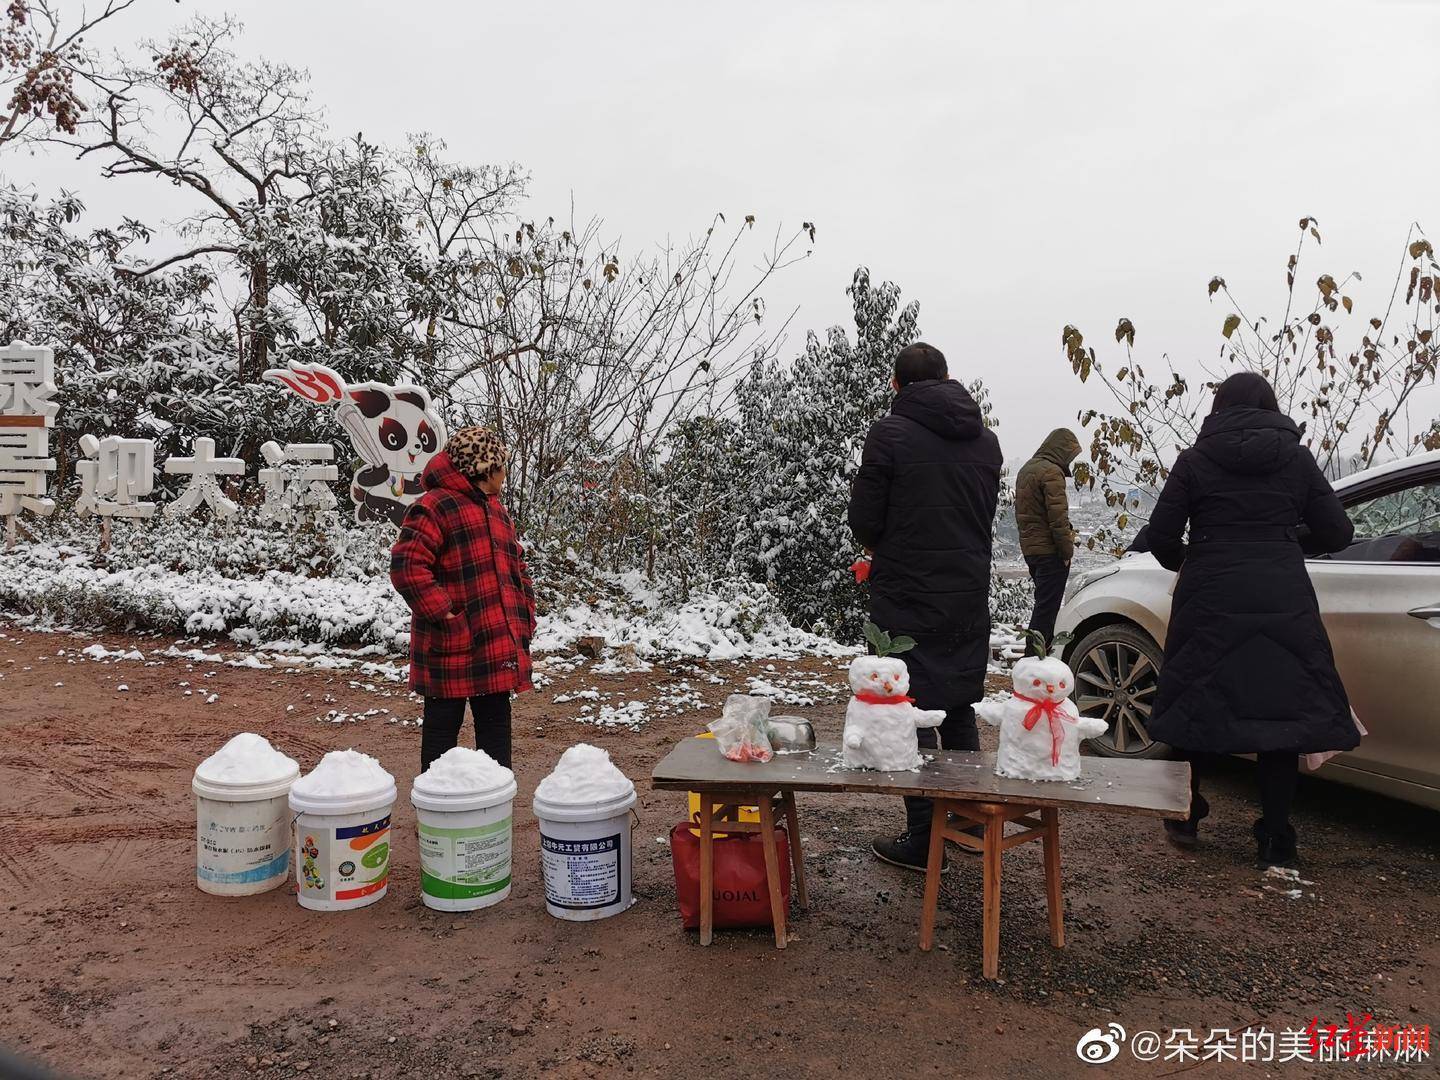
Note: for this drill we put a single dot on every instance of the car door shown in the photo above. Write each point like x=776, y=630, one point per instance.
x=1380, y=600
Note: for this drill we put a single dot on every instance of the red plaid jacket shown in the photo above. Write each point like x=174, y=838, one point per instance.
x=457, y=552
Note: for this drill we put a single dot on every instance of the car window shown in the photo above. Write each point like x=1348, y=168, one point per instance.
x=1399, y=526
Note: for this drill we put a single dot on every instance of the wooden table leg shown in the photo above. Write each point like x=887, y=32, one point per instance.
x=797, y=857
x=707, y=869
x=1056, y=904
x=933, y=865
x=772, y=868
x=994, y=832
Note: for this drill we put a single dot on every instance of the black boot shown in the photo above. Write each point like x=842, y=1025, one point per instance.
x=910, y=850
x=1186, y=834
x=1275, y=848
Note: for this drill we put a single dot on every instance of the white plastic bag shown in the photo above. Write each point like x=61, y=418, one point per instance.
x=740, y=731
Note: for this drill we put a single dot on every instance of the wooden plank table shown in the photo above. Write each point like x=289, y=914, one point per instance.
x=962, y=783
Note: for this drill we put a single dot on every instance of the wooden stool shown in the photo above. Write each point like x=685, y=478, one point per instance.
x=724, y=807
x=991, y=817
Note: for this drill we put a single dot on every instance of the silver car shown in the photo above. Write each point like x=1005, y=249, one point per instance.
x=1379, y=598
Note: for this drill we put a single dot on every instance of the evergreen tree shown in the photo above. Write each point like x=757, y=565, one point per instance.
x=801, y=431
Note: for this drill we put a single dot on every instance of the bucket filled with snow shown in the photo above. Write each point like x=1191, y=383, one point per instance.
x=464, y=803
x=242, y=826
x=583, y=809
x=342, y=831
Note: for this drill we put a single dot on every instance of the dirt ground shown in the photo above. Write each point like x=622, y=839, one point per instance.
x=115, y=965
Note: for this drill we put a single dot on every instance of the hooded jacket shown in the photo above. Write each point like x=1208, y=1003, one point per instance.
x=457, y=553
x=924, y=502
x=1248, y=665
x=1042, y=505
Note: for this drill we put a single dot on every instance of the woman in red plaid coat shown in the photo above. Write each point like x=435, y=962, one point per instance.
x=458, y=564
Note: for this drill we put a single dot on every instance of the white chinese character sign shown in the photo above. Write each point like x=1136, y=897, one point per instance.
x=27, y=384
x=204, y=487
x=115, y=476
x=395, y=431
x=296, y=483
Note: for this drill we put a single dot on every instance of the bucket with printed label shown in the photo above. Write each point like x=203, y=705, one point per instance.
x=242, y=823
x=585, y=857
x=342, y=832
x=464, y=805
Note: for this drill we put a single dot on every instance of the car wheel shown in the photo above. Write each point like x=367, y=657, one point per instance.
x=1117, y=671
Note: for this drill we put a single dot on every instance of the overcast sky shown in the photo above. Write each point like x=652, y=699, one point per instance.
x=1013, y=166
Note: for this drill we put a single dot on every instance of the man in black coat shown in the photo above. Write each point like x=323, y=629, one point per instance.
x=924, y=504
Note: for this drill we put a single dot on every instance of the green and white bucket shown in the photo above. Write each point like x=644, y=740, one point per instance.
x=465, y=841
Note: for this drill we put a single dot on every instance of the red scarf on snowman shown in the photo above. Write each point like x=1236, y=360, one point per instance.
x=1052, y=712
x=876, y=699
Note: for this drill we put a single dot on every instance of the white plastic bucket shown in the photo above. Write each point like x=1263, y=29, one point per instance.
x=465, y=846
x=585, y=857
x=242, y=835
x=342, y=848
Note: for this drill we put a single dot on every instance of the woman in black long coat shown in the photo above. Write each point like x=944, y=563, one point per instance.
x=1248, y=666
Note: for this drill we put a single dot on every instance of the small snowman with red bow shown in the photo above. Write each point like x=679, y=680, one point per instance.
x=881, y=720
x=1040, y=728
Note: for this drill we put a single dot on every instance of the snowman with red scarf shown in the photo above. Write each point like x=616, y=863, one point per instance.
x=881, y=720
x=1040, y=728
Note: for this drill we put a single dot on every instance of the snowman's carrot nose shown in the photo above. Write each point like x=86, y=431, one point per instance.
x=1049, y=688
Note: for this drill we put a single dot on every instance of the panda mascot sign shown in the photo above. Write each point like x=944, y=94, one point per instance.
x=395, y=431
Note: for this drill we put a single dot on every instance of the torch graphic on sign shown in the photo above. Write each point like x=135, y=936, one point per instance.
x=395, y=431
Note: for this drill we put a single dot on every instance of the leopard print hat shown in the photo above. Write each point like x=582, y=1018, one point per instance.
x=476, y=451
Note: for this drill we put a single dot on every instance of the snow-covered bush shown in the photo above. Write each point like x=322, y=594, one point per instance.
x=1011, y=599
x=331, y=585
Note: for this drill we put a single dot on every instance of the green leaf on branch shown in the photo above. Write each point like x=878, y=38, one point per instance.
x=884, y=644
x=877, y=638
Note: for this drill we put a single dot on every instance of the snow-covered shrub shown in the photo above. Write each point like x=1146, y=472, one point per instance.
x=1011, y=599
x=332, y=586
x=194, y=577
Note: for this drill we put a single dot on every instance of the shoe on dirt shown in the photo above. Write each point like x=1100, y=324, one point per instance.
x=910, y=850
x=1183, y=834
x=1275, y=848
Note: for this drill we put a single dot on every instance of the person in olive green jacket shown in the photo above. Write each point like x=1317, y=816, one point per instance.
x=1042, y=513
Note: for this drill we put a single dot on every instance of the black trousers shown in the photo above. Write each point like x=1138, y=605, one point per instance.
x=1276, y=771
x=445, y=716
x=946, y=672
x=1049, y=575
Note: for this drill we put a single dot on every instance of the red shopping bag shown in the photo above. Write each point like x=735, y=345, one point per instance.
x=742, y=893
